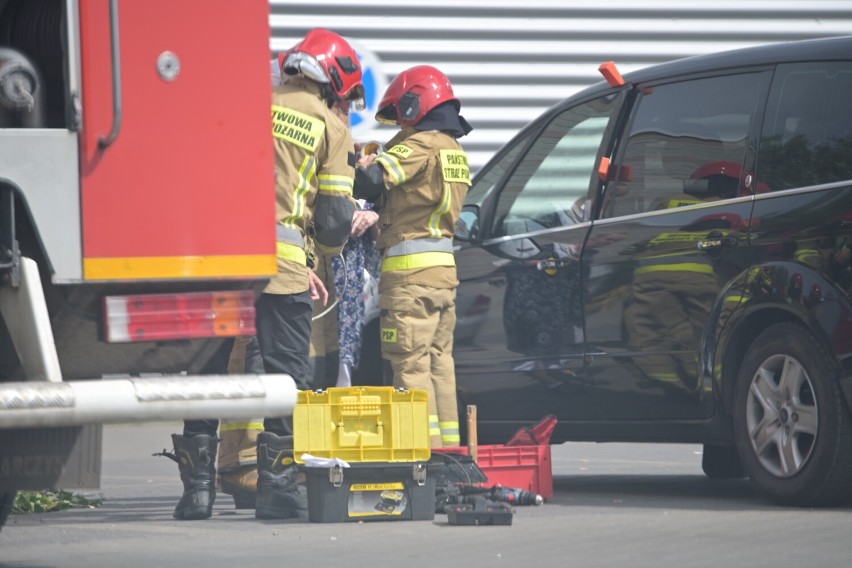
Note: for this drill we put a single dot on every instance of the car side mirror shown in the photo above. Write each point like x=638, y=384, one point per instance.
x=467, y=227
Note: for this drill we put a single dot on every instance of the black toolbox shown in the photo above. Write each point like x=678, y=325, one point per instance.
x=373, y=491
x=479, y=511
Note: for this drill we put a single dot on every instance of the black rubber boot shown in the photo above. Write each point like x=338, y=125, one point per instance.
x=196, y=459
x=279, y=495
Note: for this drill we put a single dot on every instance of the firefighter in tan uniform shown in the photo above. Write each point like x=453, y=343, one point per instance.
x=418, y=185
x=237, y=468
x=314, y=177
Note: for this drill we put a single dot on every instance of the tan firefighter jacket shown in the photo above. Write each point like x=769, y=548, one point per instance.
x=313, y=180
x=426, y=175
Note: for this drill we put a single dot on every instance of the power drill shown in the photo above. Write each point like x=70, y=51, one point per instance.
x=515, y=496
x=466, y=494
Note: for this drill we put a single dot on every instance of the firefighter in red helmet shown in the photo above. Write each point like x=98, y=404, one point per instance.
x=314, y=178
x=418, y=185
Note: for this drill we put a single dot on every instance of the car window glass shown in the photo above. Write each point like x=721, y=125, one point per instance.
x=482, y=190
x=486, y=180
x=686, y=145
x=807, y=134
x=550, y=186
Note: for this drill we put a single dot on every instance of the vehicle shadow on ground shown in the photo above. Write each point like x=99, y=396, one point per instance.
x=693, y=492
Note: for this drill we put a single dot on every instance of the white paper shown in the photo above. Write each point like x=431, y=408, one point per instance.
x=313, y=461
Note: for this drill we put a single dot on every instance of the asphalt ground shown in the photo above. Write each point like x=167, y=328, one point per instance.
x=615, y=505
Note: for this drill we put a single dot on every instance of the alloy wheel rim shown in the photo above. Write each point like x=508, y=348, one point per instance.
x=782, y=416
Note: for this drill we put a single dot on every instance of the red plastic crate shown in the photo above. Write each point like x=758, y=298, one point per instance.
x=524, y=467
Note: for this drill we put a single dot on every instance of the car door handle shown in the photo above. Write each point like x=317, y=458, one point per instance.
x=716, y=243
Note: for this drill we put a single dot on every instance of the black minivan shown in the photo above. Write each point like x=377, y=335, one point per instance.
x=667, y=257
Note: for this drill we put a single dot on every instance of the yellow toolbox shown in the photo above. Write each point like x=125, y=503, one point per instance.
x=383, y=435
x=362, y=424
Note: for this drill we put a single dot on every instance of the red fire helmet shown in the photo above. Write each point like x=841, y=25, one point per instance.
x=413, y=93
x=326, y=57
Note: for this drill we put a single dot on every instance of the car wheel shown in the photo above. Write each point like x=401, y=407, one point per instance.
x=6, y=502
x=792, y=428
x=722, y=462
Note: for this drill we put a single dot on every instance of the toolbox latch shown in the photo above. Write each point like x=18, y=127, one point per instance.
x=419, y=473
x=335, y=476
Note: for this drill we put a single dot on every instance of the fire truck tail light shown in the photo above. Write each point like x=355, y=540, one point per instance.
x=156, y=317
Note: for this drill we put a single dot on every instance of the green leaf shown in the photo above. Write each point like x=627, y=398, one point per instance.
x=50, y=500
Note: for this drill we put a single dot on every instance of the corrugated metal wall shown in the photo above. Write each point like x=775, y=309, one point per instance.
x=509, y=60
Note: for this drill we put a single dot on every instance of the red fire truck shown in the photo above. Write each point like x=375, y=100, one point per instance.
x=136, y=223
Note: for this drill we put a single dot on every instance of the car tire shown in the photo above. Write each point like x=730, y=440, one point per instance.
x=792, y=428
x=6, y=502
x=722, y=462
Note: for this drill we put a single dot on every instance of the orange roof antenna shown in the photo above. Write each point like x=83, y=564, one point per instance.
x=611, y=74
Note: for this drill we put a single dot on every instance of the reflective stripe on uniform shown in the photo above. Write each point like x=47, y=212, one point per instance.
x=807, y=256
x=434, y=426
x=286, y=251
x=695, y=267
x=664, y=377
x=683, y=237
x=289, y=235
x=454, y=169
x=306, y=172
x=450, y=433
x=443, y=209
x=342, y=184
x=413, y=246
x=290, y=245
x=393, y=167
x=418, y=260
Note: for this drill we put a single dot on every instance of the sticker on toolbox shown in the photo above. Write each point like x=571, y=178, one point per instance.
x=370, y=499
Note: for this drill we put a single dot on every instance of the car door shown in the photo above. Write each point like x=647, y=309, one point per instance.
x=671, y=233
x=527, y=215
